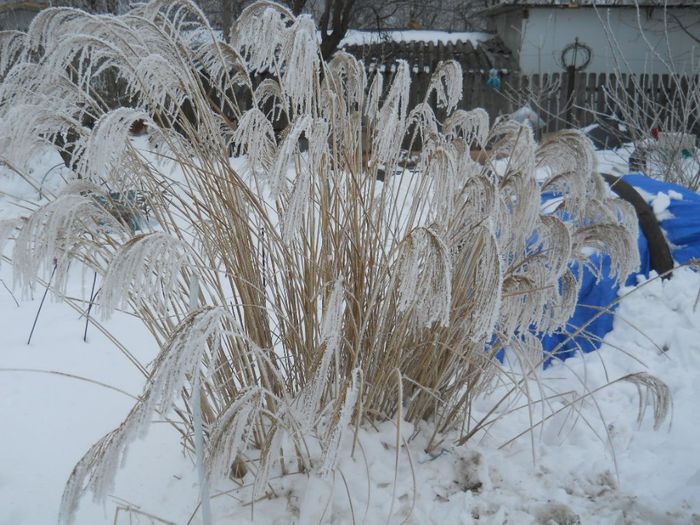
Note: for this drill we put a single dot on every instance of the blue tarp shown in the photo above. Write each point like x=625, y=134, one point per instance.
x=683, y=233
x=683, y=230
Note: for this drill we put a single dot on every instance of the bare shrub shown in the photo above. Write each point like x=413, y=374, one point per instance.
x=661, y=112
x=291, y=295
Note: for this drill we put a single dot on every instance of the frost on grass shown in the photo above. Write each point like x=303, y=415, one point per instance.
x=651, y=392
x=297, y=290
x=447, y=84
x=66, y=228
x=144, y=270
x=193, y=339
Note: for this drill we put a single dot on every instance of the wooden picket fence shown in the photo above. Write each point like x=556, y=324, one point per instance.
x=561, y=99
x=561, y=103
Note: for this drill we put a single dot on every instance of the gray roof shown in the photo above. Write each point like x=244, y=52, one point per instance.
x=424, y=56
x=590, y=3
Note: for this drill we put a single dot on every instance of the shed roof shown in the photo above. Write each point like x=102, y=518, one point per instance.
x=496, y=5
x=424, y=56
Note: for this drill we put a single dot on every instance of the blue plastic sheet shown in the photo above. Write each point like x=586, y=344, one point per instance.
x=588, y=326
x=683, y=230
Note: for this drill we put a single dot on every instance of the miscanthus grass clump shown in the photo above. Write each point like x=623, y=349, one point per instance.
x=296, y=297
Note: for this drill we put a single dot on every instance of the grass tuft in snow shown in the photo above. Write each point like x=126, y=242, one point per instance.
x=324, y=297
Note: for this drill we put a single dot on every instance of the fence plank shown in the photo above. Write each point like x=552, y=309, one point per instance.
x=589, y=102
x=549, y=102
x=600, y=93
x=579, y=98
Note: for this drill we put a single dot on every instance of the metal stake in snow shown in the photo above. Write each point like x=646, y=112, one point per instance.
x=41, y=304
x=93, y=296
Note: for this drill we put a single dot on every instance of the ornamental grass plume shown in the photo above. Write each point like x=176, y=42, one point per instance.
x=292, y=293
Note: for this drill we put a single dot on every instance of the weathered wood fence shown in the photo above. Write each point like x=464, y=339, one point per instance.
x=561, y=99
x=562, y=104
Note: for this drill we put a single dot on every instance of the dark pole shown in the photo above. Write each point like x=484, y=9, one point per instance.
x=570, y=87
x=571, y=69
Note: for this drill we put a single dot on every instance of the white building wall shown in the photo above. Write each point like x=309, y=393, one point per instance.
x=547, y=31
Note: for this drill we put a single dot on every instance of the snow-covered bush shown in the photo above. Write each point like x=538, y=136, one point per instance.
x=293, y=295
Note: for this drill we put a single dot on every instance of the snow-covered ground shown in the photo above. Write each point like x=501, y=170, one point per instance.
x=593, y=462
